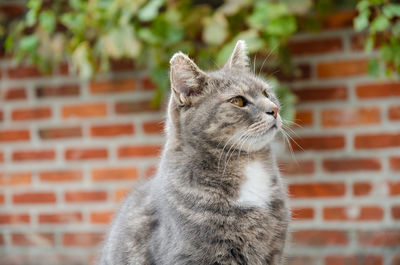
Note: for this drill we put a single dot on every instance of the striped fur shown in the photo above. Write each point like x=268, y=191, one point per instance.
x=190, y=212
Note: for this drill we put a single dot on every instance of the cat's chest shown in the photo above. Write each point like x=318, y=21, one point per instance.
x=256, y=188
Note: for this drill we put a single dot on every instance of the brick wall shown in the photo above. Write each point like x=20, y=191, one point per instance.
x=70, y=150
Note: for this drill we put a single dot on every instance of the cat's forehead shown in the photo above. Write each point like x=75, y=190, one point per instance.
x=240, y=83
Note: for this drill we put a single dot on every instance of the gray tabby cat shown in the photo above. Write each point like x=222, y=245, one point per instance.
x=217, y=197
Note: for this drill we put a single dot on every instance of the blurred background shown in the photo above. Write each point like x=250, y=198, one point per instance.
x=82, y=89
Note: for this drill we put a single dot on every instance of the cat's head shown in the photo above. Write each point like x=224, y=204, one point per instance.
x=230, y=107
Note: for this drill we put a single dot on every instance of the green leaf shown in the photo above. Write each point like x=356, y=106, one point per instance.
x=362, y=21
x=150, y=11
x=363, y=5
x=148, y=36
x=47, y=20
x=29, y=43
x=396, y=29
x=369, y=44
x=283, y=26
x=379, y=24
x=287, y=100
x=215, y=29
x=31, y=16
x=374, y=68
x=391, y=10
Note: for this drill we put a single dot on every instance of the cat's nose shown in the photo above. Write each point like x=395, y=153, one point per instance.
x=273, y=111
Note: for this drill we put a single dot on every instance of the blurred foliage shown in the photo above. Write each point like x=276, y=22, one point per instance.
x=381, y=18
x=90, y=34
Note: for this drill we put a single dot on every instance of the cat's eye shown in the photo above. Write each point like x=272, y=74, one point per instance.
x=265, y=94
x=238, y=101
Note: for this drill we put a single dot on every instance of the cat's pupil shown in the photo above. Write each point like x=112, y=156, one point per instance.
x=265, y=94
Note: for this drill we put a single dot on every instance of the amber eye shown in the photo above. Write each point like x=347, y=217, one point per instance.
x=265, y=94
x=238, y=101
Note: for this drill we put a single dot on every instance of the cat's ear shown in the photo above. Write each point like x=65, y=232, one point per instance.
x=186, y=78
x=238, y=58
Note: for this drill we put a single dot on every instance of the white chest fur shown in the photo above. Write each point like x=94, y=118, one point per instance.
x=256, y=190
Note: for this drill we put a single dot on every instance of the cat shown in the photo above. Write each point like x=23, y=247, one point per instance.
x=217, y=197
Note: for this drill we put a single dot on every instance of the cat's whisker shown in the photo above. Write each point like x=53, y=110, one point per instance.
x=240, y=139
x=222, y=151
x=254, y=64
x=266, y=58
x=286, y=140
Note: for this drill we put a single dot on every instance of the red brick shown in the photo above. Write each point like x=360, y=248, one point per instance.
x=63, y=69
x=112, y=130
x=380, y=140
x=339, y=19
x=351, y=117
x=113, y=86
x=120, y=194
x=147, y=84
x=12, y=10
x=351, y=164
x=394, y=113
x=139, y=151
x=387, y=238
x=150, y=172
x=300, y=214
x=86, y=154
x=361, y=259
x=304, y=118
x=103, y=217
x=394, y=188
x=362, y=188
x=31, y=114
x=396, y=212
x=114, y=174
x=87, y=110
x=60, y=175
x=312, y=94
x=85, y=196
x=318, y=143
x=1, y=157
x=153, y=127
x=395, y=163
x=13, y=219
x=1, y=115
x=317, y=190
x=60, y=218
x=343, y=68
x=358, y=41
x=315, y=46
x=15, y=94
x=123, y=64
x=320, y=238
x=297, y=167
x=132, y=107
x=21, y=71
x=14, y=135
x=395, y=260
x=66, y=90
x=1, y=240
x=378, y=90
x=15, y=179
x=60, y=133
x=82, y=239
x=300, y=72
x=33, y=155
x=366, y=213
x=34, y=197
x=300, y=260
x=2, y=198
x=32, y=239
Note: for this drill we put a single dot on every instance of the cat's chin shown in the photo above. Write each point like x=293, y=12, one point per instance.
x=260, y=142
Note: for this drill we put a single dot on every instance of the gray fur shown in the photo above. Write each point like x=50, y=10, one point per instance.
x=188, y=213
